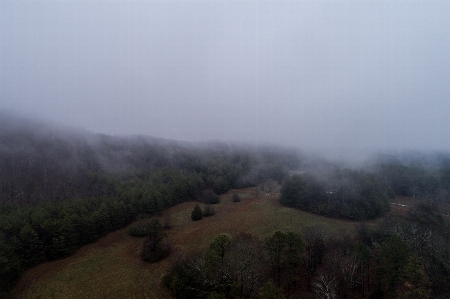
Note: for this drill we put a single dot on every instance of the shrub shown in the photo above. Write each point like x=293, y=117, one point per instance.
x=153, y=253
x=138, y=230
x=208, y=211
x=236, y=197
x=197, y=213
x=209, y=197
x=220, y=185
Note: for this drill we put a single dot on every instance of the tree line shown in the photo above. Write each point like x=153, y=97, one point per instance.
x=349, y=194
x=358, y=194
x=61, y=189
x=398, y=258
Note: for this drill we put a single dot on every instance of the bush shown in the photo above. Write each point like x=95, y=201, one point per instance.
x=236, y=197
x=153, y=253
x=154, y=248
x=209, y=197
x=209, y=211
x=197, y=213
x=138, y=230
x=220, y=185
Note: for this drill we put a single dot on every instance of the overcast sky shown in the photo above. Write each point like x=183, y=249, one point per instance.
x=311, y=74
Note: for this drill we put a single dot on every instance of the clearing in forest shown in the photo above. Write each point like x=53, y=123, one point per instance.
x=112, y=268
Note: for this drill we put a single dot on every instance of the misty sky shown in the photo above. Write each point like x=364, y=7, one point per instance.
x=311, y=74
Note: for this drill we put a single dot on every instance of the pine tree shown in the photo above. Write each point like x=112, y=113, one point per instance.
x=392, y=258
x=415, y=280
x=295, y=246
x=154, y=248
x=197, y=213
x=275, y=245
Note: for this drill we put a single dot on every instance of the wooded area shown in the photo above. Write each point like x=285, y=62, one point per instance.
x=60, y=190
x=399, y=258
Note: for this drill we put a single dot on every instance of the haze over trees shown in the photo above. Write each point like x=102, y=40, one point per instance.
x=358, y=207
x=353, y=195
x=61, y=189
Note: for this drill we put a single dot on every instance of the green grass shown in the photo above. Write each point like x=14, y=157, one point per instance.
x=111, y=268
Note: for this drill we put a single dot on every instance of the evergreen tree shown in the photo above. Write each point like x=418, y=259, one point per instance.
x=275, y=245
x=295, y=247
x=415, y=281
x=155, y=248
x=197, y=213
x=362, y=254
x=392, y=259
x=215, y=261
x=217, y=248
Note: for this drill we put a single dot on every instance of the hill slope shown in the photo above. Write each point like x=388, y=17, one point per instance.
x=111, y=267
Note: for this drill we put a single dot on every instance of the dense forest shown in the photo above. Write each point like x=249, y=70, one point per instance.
x=63, y=188
x=364, y=194
x=354, y=195
x=401, y=258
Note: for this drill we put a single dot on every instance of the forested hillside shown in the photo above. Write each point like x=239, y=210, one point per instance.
x=359, y=194
x=62, y=188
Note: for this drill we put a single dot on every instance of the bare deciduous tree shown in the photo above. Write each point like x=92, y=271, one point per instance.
x=324, y=287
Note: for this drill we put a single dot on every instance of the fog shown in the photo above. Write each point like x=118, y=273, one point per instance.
x=342, y=76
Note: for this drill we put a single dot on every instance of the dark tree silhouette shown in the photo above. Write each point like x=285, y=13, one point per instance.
x=155, y=249
x=197, y=213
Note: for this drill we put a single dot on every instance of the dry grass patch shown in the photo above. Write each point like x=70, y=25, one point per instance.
x=97, y=271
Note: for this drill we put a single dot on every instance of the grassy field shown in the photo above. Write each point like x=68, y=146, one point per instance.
x=111, y=267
